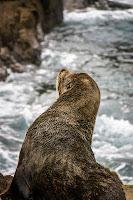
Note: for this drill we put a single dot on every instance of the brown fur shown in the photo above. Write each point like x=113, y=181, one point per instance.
x=56, y=161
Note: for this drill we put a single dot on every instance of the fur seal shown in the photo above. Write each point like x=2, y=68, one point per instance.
x=56, y=161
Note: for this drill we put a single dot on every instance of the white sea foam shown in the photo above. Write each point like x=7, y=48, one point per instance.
x=94, y=15
x=113, y=137
x=120, y=127
x=67, y=58
x=113, y=143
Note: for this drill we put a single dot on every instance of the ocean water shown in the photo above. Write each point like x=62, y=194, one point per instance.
x=96, y=42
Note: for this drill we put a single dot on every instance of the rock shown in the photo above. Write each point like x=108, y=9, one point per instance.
x=18, y=68
x=80, y=4
x=5, y=57
x=77, y=4
x=121, y=4
x=5, y=182
x=18, y=30
x=8, y=179
x=100, y=4
x=22, y=26
x=3, y=72
x=53, y=13
x=128, y=191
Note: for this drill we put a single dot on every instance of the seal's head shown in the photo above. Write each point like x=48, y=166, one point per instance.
x=79, y=91
x=66, y=81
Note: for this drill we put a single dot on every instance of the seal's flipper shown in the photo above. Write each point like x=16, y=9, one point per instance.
x=20, y=187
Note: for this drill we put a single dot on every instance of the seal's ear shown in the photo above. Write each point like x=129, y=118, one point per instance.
x=60, y=78
x=63, y=73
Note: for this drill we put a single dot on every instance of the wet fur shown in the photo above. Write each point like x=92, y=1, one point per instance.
x=56, y=160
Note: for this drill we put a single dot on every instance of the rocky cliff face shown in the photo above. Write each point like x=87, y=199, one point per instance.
x=22, y=25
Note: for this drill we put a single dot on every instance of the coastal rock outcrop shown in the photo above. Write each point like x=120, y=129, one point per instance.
x=22, y=26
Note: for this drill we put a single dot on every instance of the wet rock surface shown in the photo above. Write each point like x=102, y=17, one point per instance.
x=3, y=72
x=22, y=25
x=123, y=4
x=128, y=191
x=80, y=4
x=5, y=182
x=100, y=4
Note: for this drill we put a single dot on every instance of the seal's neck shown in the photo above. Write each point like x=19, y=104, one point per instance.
x=80, y=104
x=80, y=109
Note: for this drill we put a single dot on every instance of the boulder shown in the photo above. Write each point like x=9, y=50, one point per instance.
x=5, y=182
x=100, y=4
x=120, y=4
x=52, y=13
x=128, y=191
x=22, y=27
x=3, y=72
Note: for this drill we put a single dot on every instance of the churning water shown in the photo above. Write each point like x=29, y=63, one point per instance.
x=99, y=43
